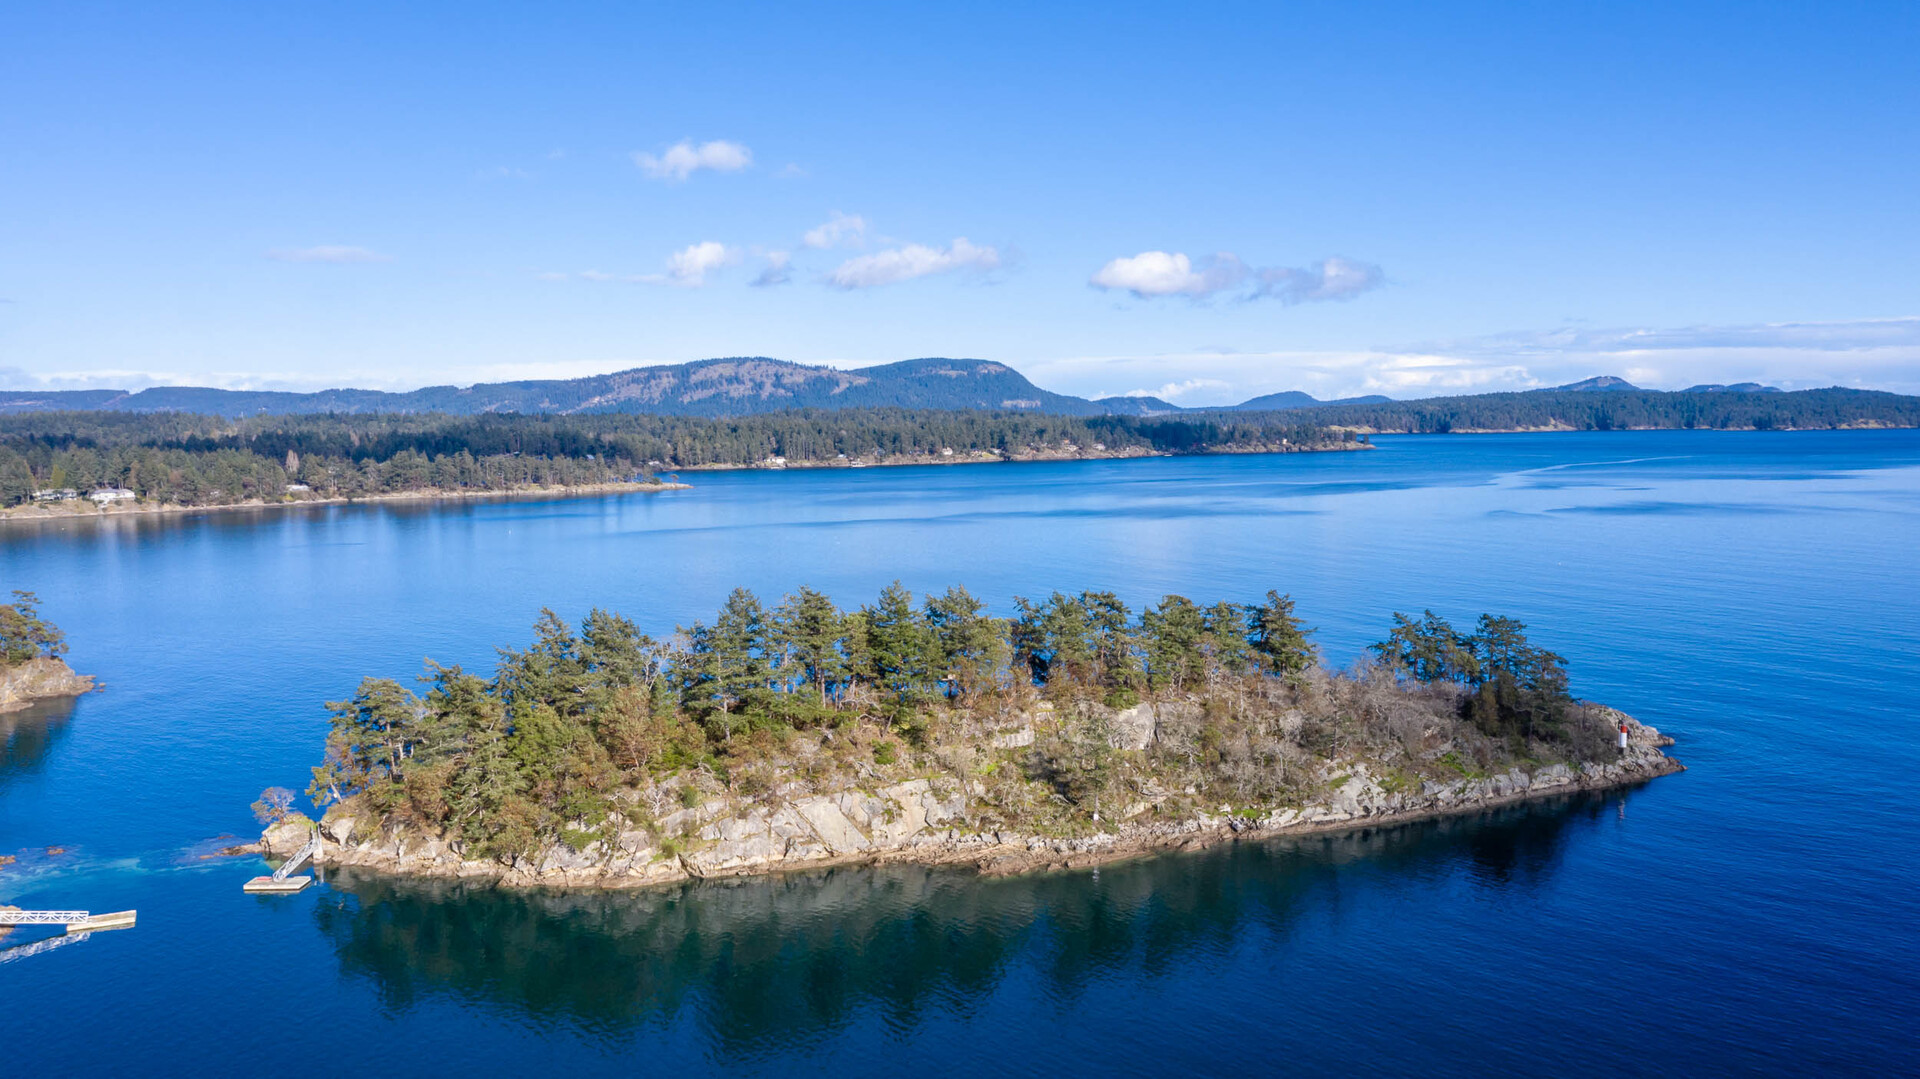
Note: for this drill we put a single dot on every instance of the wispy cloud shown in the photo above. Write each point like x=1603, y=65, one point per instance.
x=1868, y=353
x=1332, y=279
x=337, y=253
x=1857, y=352
x=1154, y=274
x=910, y=261
x=1173, y=391
x=839, y=229
x=683, y=159
x=687, y=267
x=778, y=270
x=1856, y=335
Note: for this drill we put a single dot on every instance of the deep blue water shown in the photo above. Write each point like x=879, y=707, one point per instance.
x=1753, y=594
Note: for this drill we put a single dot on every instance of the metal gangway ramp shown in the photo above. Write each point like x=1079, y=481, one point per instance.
x=77, y=924
x=282, y=880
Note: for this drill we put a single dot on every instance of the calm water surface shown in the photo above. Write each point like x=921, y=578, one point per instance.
x=1753, y=594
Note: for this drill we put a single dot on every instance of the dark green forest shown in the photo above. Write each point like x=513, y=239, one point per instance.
x=805, y=692
x=209, y=460
x=1626, y=410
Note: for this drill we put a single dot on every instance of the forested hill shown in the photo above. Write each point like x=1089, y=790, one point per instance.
x=756, y=386
x=729, y=387
x=1629, y=410
x=210, y=460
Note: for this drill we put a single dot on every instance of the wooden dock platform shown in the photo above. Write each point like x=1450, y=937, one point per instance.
x=276, y=885
x=119, y=919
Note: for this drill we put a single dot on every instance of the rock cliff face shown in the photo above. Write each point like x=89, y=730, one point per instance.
x=931, y=821
x=38, y=679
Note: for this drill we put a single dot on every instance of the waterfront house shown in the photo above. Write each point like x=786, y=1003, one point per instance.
x=105, y=495
x=57, y=494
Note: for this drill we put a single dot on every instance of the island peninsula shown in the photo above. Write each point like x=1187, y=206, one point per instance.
x=30, y=649
x=925, y=729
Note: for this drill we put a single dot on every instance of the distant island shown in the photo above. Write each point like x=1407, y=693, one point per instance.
x=1614, y=405
x=746, y=386
x=740, y=386
x=59, y=462
x=146, y=451
x=30, y=649
x=924, y=729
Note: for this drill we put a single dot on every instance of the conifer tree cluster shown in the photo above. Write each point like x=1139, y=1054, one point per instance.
x=582, y=712
x=1517, y=690
x=24, y=635
x=762, y=697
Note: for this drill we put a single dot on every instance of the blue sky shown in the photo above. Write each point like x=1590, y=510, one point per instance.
x=1202, y=201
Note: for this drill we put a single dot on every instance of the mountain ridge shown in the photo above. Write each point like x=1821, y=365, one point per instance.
x=721, y=387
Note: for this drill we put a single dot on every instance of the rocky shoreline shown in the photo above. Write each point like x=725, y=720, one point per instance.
x=40, y=679
x=81, y=509
x=991, y=457
x=926, y=821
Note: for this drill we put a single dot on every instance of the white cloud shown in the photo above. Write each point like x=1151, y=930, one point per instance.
x=838, y=229
x=327, y=253
x=690, y=265
x=1166, y=273
x=778, y=270
x=911, y=261
x=1152, y=274
x=683, y=159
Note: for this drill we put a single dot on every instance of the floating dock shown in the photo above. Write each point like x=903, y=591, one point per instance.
x=72, y=921
x=119, y=919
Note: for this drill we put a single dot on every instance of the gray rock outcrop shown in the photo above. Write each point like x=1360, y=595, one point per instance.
x=928, y=820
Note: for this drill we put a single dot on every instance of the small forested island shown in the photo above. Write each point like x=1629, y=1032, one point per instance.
x=927, y=729
x=50, y=461
x=30, y=649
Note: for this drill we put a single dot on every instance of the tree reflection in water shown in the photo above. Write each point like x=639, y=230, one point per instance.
x=29, y=734
x=785, y=961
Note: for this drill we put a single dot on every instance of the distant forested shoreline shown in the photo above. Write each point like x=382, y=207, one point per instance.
x=186, y=459
x=1623, y=410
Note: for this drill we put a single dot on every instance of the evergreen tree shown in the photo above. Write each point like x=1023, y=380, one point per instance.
x=728, y=675
x=1113, y=661
x=811, y=635
x=1429, y=650
x=1225, y=640
x=973, y=648
x=1278, y=640
x=24, y=635
x=16, y=478
x=1174, y=632
x=902, y=650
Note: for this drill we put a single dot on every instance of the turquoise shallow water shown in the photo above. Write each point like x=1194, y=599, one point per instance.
x=1753, y=594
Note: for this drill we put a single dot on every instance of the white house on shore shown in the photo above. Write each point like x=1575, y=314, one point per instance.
x=105, y=495
x=57, y=494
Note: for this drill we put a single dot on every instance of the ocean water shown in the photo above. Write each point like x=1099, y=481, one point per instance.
x=1755, y=595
